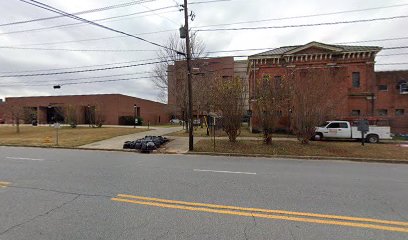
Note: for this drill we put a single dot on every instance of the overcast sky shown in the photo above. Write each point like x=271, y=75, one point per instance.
x=166, y=22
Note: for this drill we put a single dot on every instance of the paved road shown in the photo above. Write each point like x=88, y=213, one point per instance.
x=76, y=194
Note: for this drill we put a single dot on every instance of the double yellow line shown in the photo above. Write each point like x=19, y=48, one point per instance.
x=371, y=223
x=4, y=184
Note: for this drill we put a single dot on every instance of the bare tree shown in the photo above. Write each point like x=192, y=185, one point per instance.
x=71, y=115
x=315, y=97
x=272, y=98
x=99, y=116
x=169, y=70
x=228, y=97
x=169, y=57
x=16, y=114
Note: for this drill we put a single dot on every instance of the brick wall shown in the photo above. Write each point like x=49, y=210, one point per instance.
x=112, y=106
x=392, y=100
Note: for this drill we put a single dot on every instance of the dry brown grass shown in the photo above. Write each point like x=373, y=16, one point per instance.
x=331, y=149
x=202, y=132
x=68, y=137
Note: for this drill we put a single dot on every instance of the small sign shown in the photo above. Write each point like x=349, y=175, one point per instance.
x=57, y=125
x=136, y=121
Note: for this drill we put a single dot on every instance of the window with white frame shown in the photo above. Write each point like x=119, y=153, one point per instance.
x=404, y=88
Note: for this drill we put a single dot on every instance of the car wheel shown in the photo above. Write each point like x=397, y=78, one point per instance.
x=317, y=137
x=372, y=138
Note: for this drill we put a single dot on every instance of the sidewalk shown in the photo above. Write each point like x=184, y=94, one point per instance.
x=117, y=142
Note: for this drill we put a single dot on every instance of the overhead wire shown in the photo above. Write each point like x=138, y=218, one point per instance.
x=84, y=66
x=225, y=24
x=303, y=25
x=305, y=16
x=60, y=81
x=52, y=9
x=80, y=71
x=79, y=13
x=106, y=19
x=151, y=59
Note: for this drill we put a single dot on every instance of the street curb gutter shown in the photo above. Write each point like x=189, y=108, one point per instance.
x=289, y=157
x=88, y=149
x=294, y=157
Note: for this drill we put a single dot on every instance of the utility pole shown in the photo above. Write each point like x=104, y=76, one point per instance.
x=190, y=95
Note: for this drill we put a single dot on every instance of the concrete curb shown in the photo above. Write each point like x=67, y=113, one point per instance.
x=289, y=157
x=91, y=149
x=294, y=157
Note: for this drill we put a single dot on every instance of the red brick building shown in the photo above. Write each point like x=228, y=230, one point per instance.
x=362, y=88
x=112, y=107
x=204, y=72
x=392, y=98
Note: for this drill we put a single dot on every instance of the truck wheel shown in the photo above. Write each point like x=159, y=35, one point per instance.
x=372, y=138
x=318, y=137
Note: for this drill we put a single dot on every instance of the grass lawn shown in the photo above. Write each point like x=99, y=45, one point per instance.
x=68, y=137
x=333, y=149
x=202, y=132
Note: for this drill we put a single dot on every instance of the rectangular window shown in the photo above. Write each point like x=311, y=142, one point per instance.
x=404, y=88
x=382, y=88
x=355, y=112
x=399, y=112
x=382, y=112
x=334, y=125
x=356, y=79
x=343, y=125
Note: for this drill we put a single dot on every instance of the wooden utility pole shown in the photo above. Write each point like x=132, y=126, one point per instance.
x=190, y=94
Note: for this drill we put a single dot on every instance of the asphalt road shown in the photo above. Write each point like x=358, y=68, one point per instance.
x=79, y=194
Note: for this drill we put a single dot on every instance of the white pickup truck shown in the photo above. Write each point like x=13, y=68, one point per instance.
x=344, y=130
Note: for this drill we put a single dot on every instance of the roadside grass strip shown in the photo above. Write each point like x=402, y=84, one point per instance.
x=347, y=221
x=4, y=184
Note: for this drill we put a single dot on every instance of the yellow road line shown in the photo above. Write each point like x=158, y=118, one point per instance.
x=268, y=210
x=4, y=183
x=287, y=218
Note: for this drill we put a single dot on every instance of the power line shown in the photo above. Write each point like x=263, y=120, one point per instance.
x=151, y=59
x=146, y=50
x=302, y=25
x=60, y=81
x=400, y=63
x=52, y=9
x=391, y=48
x=85, y=66
x=237, y=50
x=79, y=71
x=104, y=38
x=164, y=17
x=72, y=41
x=376, y=40
x=305, y=16
x=388, y=55
x=274, y=19
x=80, y=13
x=86, y=82
x=96, y=20
x=76, y=50
x=263, y=49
